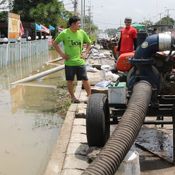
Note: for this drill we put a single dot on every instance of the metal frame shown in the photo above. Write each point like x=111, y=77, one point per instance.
x=166, y=107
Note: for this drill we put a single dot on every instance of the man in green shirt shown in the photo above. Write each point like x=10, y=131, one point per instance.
x=73, y=39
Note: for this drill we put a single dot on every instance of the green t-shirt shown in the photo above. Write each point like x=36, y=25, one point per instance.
x=73, y=45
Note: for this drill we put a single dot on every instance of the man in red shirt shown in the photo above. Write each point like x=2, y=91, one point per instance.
x=127, y=42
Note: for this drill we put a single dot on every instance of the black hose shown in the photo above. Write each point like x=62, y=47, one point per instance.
x=125, y=133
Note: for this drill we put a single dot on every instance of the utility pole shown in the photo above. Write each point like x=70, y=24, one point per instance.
x=75, y=3
x=168, y=13
x=89, y=14
x=82, y=13
x=160, y=14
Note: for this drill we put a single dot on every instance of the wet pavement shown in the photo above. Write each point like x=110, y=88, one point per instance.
x=156, y=141
x=29, y=123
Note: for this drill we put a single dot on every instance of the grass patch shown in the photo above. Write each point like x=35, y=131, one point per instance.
x=63, y=99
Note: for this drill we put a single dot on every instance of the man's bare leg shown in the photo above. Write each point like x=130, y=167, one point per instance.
x=87, y=87
x=70, y=86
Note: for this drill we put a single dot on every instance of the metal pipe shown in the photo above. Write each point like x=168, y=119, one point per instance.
x=154, y=43
x=39, y=75
x=143, y=60
x=125, y=133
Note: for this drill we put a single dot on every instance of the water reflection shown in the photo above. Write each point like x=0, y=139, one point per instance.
x=20, y=70
x=29, y=127
x=33, y=98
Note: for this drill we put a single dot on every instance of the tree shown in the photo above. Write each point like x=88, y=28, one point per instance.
x=3, y=17
x=166, y=21
x=23, y=9
x=50, y=12
x=5, y=5
x=90, y=28
x=47, y=13
x=147, y=23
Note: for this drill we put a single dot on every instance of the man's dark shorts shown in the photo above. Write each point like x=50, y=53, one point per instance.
x=79, y=71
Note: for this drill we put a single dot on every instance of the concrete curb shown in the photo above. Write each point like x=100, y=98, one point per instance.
x=56, y=162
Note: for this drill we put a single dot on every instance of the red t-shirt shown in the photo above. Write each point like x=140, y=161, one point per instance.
x=128, y=34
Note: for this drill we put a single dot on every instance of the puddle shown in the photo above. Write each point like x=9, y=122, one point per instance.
x=29, y=125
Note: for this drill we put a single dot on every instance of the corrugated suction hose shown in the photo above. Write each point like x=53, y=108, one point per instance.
x=125, y=133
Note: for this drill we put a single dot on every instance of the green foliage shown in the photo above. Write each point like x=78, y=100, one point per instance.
x=90, y=28
x=147, y=23
x=166, y=21
x=93, y=37
x=23, y=8
x=47, y=12
x=63, y=18
x=3, y=17
x=63, y=99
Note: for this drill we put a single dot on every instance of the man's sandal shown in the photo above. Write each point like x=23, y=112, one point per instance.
x=74, y=100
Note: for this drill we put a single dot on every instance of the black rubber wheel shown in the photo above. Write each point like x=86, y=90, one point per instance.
x=97, y=120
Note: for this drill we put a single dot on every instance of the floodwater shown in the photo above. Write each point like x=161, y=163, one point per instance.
x=29, y=127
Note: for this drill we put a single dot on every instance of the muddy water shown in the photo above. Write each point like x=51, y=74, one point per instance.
x=28, y=125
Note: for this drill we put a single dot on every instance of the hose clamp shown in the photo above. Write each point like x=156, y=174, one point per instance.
x=164, y=41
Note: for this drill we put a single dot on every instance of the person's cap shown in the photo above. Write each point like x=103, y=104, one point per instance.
x=128, y=19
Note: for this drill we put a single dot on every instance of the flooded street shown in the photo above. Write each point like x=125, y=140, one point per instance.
x=29, y=125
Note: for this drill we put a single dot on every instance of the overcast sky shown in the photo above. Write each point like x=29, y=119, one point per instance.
x=111, y=13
